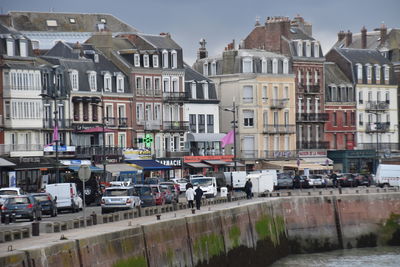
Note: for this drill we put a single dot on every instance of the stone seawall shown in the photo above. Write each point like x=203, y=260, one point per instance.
x=245, y=235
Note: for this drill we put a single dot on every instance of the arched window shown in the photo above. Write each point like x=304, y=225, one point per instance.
x=359, y=71
x=300, y=48
x=120, y=83
x=214, y=68
x=386, y=70
x=316, y=49
x=308, y=49
x=377, y=73
x=205, y=68
x=165, y=59
x=92, y=80
x=247, y=65
x=285, y=66
x=74, y=77
x=369, y=72
x=275, y=66
x=174, y=62
x=107, y=82
x=264, y=65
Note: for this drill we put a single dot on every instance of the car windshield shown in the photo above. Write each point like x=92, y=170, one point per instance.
x=182, y=181
x=116, y=192
x=18, y=200
x=41, y=198
x=9, y=192
x=202, y=182
x=283, y=176
x=144, y=190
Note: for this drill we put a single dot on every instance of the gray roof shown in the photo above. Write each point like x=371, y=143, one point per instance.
x=296, y=33
x=193, y=76
x=160, y=41
x=363, y=56
x=374, y=40
x=6, y=31
x=333, y=74
x=84, y=22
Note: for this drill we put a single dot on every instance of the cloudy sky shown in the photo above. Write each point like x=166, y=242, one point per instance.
x=221, y=21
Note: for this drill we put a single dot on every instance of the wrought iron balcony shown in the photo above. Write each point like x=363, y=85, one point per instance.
x=175, y=96
x=279, y=154
x=378, y=127
x=377, y=106
x=151, y=125
x=279, y=103
x=89, y=151
x=380, y=146
x=312, y=145
x=122, y=122
x=110, y=122
x=312, y=117
x=62, y=123
x=179, y=126
x=279, y=128
x=5, y=149
x=311, y=89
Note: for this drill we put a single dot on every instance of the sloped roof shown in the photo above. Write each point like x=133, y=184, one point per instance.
x=333, y=74
x=160, y=41
x=296, y=33
x=192, y=75
x=374, y=40
x=363, y=56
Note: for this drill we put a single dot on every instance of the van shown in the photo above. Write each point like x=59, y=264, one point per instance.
x=387, y=175
x=207, y=184
x=66, y=196
x=238, y=178
x=263, y=182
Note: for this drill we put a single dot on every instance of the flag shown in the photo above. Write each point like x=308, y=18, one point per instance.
x=228, y=139
x=55, y=134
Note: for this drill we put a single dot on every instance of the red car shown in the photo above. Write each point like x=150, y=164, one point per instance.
x=158, y=193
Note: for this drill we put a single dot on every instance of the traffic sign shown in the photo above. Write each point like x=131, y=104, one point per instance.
x=84, y=173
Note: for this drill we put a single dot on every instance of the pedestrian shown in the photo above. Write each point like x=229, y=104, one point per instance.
x=190, y=196
x=296, y=181
x=334, y=179
x=198, y=195
x=247, y=188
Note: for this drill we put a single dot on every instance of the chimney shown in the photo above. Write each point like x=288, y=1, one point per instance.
x=340, y=36
x=349, y=38
x=383, y=30
x=202, y=52
x=363, y=37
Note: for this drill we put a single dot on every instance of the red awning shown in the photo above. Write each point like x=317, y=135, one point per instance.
x=97, y=129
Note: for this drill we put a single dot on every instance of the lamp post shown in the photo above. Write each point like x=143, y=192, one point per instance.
x=55, y=98
x=233, y=110
x=103, y=120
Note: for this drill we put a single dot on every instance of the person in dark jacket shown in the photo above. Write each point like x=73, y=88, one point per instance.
x=197, y=197
x=334, y=179
x=247, y=188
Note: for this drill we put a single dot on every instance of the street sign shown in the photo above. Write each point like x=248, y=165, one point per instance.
x=84, y=173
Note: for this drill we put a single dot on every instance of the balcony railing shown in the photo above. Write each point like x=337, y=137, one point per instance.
x=7, y=148
x=152, y=125
x=122, y=122
x=176, y=126
x=175, y=96
x=380, y=146
x=279, y=103
x=88, y=151
x=378, y=127
x=311, y=89
x=377, y=105
x=62, y=123
x=313, y=145
x=110, y=122
x=249, y=154
x=312, y=117
x=279, y=128
x=279, y=154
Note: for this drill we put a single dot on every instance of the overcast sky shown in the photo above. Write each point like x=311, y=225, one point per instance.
x=220, y=21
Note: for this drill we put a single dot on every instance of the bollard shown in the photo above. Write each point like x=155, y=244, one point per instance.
x=94, y=218
x=7, y=219
x=193, y=211
x=158, y=217
x=35, y=229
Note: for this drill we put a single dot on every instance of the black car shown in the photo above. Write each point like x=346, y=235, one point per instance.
x=21, y=207
x=47, y=202
x=147, y=198
x=363, y=179
x=347, y=180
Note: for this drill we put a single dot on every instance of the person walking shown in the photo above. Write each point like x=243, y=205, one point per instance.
x=334, y=179
x=247, y=188
x=190, y=196
x=198, y=195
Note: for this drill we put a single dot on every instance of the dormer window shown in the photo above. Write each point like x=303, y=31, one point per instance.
x=10, y=47
x=174, y=57
x=359, y=72
x=193, y=90
x=386, y=70
x=377, y=73
x=165, y=59
x=205, y=68
x=146, y=61
x=275, y=66
x=316, y=49
x=72, y=20
x=23, y=48
x=74, y=76
x=205, y=90
x=107, y=82
x=51, y=23
x=300, y=48
x=137, y=60
x=308, y=49
x=369, y=72
x=120, y=83
x=264, y=66
x=92, y=81
x=155, y=61
x=285, y=66
x=214, y=68
x=247, y=65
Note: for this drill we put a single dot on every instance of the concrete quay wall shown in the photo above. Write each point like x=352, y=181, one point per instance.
x=244, y=235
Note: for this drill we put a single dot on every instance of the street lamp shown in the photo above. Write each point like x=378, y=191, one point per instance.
x=104, y=139
x=233, y=110
x=55, y=98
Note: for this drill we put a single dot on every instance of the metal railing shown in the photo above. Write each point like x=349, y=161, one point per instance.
x=122, y=122
x=377, y=127
x=309, y=117
x=279, y=103
x=313, y=145
x=88, y=151
x=279, y=154
x=176, y=125
x=175, y=96
x=62, y=123
x=377, y=105
x=279, y=128
x=7, y=148
x=380, y=146
x=312, y=89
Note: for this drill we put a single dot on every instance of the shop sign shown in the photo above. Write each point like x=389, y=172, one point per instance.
x=75, y=162
x=310, y=154
x=60, y=149
x=29, y=160
x=137, y=154
x=200, y=158
x=172, y=162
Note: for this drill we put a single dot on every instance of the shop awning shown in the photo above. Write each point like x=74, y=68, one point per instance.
x=216, y=162
x=232, y=164
x=96, y=129
x=116, y=169
x=198, y=165
x=5, y=163
x=292, y=164
x=147, y=165
x=204, y=137
x=92, y=168
x=321, y=161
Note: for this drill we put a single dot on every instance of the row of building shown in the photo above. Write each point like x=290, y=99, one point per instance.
x=110, y=88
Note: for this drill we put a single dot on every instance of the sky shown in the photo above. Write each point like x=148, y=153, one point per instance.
x=221, y=21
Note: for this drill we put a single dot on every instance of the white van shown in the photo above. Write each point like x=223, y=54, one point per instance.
x=263, y=182
x=388, y=175
x=238, y=178
x=67, y=196
x=207, y=184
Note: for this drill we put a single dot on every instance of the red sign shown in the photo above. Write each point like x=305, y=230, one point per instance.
x=201, y=158
x=312, y=154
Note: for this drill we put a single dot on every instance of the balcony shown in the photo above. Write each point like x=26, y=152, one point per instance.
x=153, y=125
x=89, y=151
x=311, y=89
x=122, y=122
x=110, y=122
x=380, y=146
x=279, y=154
x=249, y=154
x=313, y=145
x=62, y=123
x=376, y=106
x=279, y=103
x=378, y=127
x=175, y=96
x=312, y=117
x=279, y=128
x=21, y=150
x=176, y=126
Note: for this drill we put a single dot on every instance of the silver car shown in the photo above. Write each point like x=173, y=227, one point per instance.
x=119, y=198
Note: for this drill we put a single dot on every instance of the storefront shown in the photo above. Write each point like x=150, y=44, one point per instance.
x=148, y=168
x=175, y=164
x=205, y=164
x=353, y=161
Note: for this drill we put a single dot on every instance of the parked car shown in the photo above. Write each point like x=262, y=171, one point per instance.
x=182, y=184
x=159, y=195
x=47, y=203
x=67, y=196
x=9, y=191
x=119, y=198
x=147, y=198
x=304, y=181
x=285, y=180
x=174, y=188
x=363, y=179
x=347, y=180
x=21, y=207
x=317, y=180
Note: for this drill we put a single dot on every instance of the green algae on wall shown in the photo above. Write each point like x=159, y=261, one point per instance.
x=272, y=228
x=131, y=262
x=234, y=235
x=390, y=232
x=209, y=245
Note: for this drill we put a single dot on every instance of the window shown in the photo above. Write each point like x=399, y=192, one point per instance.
x=205, y=68
x=248, y=118
x=264, y=68
x=377, y=73
x=174, y=62
x=276, y=118
x=334, y=119
x=51, y=23
x=285, y=66
x=264, y=94
x=95, y=115
x=316, y=49
x=378, y=96
x=136, y=59
x=308, y=78
x=210, y=123
x=72, y=20
x=74, y=80
x=386, y=70
x=175, y=87
x=148, y=113
x=247, y=94
x=360, y=97
x=165, y=59
x=122, y=140
x=353, y=118
x=205, y=90
x=247, y=65
x=10, y=47
x=369, y=73
x=299, y=76
x=316, y=77
x=92, y=81
x=265, y=118
x=359, y=72
x=146, y=61
x=157, y=112
x=192, y=123
x=147, y=86
x=300, y=48
x=202, y=123
x=214, y=68
x=369, y=96
x=107, y=82
x=387, y=97
x=193, y=90
x=23, y=48
x=286, y=92
x=157, y=90
x=85, y=109
x=360, y=119
x=308, y=49
x=155, y=61
x=139, y=112
x=76, y=111
x=139, y=83
x=120, y=83
x=166, y=85
x=286, y=117
x=345, y=122
x=7, y=110
x=275, y=66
